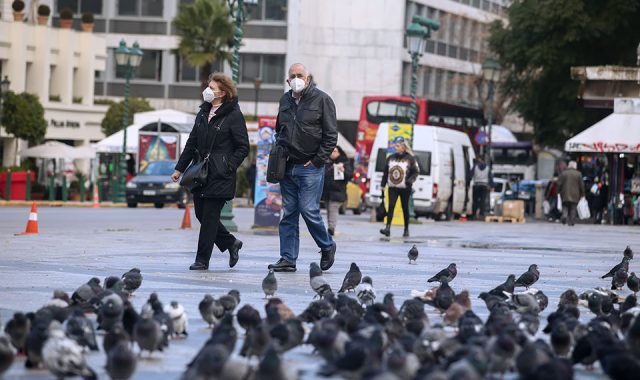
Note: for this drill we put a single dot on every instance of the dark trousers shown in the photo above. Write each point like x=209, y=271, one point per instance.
x=404, y=194
x=570, y=210
x=211, y=229
x=479, y=199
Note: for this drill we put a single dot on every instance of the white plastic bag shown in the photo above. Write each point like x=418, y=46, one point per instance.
x=546, y=207
x=559, y=203
x=583, y=209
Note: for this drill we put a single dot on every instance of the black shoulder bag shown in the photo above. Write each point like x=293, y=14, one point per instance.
x=277, y=163
x=197, y=172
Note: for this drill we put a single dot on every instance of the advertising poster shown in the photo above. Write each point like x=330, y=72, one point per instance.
x=405, y=131
x=267, y=198
x=152, y=147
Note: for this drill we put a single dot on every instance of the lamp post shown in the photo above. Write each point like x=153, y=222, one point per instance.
x=256, y=85
x=4, y=88
x=416, y=38
x=129, y=59
x=491, y=73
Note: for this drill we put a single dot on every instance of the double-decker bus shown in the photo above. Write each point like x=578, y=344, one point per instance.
x=380, y=109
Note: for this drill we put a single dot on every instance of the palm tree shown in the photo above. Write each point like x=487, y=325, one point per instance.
x=206, y=34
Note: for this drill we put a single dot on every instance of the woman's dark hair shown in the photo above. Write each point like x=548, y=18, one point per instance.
x=226, y=84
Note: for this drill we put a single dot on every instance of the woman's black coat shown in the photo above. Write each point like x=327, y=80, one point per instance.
x=336, y=191
x=230, y=148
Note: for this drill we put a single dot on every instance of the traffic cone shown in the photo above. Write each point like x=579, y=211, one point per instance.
x=463, y=218
x=186, y=219
x=96, y=197
x=32, y=224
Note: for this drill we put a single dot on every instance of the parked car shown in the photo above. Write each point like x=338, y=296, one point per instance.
x=498, y=191
x=154, y=185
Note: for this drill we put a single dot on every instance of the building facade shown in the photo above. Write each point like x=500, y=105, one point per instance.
x=59, y=66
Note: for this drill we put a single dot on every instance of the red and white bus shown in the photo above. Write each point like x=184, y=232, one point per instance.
x=380, y=109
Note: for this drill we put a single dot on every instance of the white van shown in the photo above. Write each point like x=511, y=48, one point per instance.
x=445, y=157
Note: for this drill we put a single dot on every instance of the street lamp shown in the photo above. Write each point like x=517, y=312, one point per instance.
x=416, y=35
x=491, y=73
x=4, y=88
x=256, y=85
x=129, y=59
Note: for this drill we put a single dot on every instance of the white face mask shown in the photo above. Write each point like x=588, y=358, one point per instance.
x=297, y=85
x=207, y=95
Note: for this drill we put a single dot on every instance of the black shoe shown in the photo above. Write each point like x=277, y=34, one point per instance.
x=386, y=231
x=198, y=266
x=328, y=256
x=233, y=253
x=282, y=265
x=406, y=233
x=330, y=231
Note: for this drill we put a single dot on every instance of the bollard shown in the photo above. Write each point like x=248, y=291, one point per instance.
x=100, y=190
x=65, y=191
x=27, y=193
x=52, y=188
x=82, y=190
x=7, y=191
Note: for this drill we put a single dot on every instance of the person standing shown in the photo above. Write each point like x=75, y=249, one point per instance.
x=400, y=173
x=307, y=128
x=221, y=132
x=337, y=174
x=571, y=188
x=480, y=187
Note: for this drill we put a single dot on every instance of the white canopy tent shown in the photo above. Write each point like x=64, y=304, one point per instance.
x=57, y=150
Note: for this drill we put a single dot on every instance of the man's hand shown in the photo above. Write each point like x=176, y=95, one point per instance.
x=175, y=176
x=308, y=163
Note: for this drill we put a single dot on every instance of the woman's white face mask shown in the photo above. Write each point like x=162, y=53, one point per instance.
x=208, y=95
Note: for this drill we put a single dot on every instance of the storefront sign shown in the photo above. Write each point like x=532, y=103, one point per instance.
x=267, y=197
x=64, y=123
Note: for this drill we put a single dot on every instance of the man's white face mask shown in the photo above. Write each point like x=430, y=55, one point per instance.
x=297, y=85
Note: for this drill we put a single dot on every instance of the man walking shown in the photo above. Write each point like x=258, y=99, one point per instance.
x=571, y=188
x=307, y=128
x=480, y=187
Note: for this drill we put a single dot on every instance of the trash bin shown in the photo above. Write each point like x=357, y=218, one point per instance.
x=18, y=185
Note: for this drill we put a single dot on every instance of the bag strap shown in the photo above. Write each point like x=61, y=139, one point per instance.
x=215, y=134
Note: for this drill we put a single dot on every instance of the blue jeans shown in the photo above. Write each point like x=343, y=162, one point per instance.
x=301, y=190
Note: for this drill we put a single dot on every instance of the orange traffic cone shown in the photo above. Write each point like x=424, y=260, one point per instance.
x=463, y=218
x=186, y=219
x=32, y=224
x=96, y=197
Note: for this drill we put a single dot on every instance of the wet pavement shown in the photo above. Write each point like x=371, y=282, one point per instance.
x=75, y=244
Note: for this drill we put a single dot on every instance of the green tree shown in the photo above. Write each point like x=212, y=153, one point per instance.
x=23, y=117
x=206, y=34
x=539, y=44
x=112, y=121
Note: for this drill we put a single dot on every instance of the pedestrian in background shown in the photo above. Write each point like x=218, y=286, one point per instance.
x=250, y=175
x=571, y=188
x=307, y=127
x=220, y=131
x=481, y=185
x=337, y=173
x=400, y=172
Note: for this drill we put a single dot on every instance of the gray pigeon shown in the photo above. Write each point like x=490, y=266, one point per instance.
x=365, y=292
x=413, y=254
x=619, y=279
x=506, y=287
x=528, y=278
x=114, y=337
x=628, y=252
x=178, y=316
x=351, y=279
x=447, y=274
x=525, y=303
x=18, y=329
x=83, y=295
x=210, y=360
x=318, y=283
x=633, y=283
x=80, y=329
x=6, y=354
x=132, y=280
x=624, y=264
x=148, y=334
x=269, y=284
x=63, y=356
x=121, y=362
x=110, y=312
x=211, y=310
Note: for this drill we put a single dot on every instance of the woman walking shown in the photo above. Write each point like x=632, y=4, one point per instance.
x=337, y=174
x=400, y=173
x=221, y=132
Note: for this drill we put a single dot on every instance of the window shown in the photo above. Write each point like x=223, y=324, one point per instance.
x=80, y=6
x=185, y=72
x=381, y=111
x=269, y=10
x=381, y=159
x=150, y=68
x=269, y=67
x=423, y=159
x=151, y=8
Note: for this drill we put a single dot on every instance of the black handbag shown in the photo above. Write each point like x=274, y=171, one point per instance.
x=277, y=163
x=197, y=172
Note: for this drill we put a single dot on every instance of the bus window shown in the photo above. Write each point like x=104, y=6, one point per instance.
x=381, y=160
x=424, y=161
x=382, y=111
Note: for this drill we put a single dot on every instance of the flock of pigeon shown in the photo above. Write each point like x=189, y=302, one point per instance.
x=357, y=337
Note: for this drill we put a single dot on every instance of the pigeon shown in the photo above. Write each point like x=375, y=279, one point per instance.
x=619, y=279
x=230, y=301
x=501, y=352
x=283, y=310
x=132, y=280
x=114, y=337
x=110, y=312
x=633, y=283
x=351, y=279
x=113, y=283
x=210, y=360
x=413, y=254
x=403, y=364
x=121, y=362
x=269, y=284
x=448, y=274
x=18, y=329
x=624, y=264
x=569, y=297
x=178, y=316
x=63, y=356
x=149, y=335
x=628, y=253
x=506, y=287
x=129, y=318
x=211, y=310
x=224, y=334
x=444, y=297
x=60, y=299
x=365, y=292
x=163, y=319
x=525, y=303
x=248, y=317
x=272, y=367
x=80, y=329
x=86, y=292
x=6, y=354
x=529, y=277
x=561, y=339
x=318, y=283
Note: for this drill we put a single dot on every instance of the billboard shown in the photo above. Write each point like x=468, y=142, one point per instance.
x=267, y=197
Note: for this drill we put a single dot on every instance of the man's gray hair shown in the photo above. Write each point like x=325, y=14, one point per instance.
x=572, y=165
x=306, y=72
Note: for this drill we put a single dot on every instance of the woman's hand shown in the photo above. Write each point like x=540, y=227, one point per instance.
x=175, y=176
